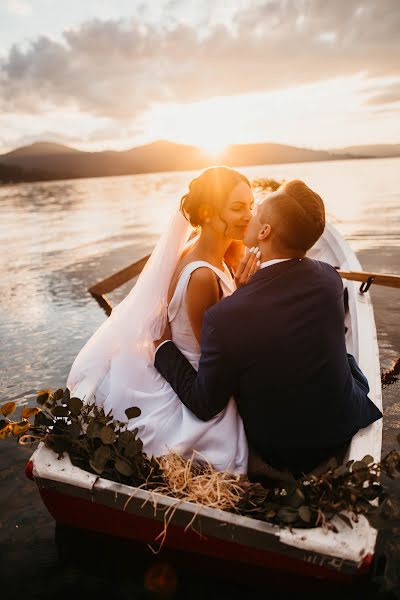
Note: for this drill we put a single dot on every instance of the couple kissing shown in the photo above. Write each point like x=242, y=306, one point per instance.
x=238, y=356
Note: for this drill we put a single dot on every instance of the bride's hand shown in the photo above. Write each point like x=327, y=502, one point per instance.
x=166, y=336
x=249, y=264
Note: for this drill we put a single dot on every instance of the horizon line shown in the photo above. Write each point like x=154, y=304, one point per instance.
x=198, y=146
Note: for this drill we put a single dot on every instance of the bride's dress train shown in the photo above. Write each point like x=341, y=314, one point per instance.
x=119, y=373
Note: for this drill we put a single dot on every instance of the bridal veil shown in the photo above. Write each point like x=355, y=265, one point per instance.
x=117, y=357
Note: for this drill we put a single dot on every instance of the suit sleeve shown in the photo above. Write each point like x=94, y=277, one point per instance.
x=206, y=392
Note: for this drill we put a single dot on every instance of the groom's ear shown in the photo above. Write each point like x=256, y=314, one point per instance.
x=264, y=231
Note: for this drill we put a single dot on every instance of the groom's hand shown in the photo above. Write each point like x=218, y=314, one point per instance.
x=166, y=336
x=249, y=264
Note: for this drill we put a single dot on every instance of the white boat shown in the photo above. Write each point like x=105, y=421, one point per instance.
x=81, y=499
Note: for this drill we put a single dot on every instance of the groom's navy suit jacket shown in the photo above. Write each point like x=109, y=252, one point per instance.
x=278, y=345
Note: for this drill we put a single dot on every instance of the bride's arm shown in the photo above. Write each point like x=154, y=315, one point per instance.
x=202, y=293
x=206, y=392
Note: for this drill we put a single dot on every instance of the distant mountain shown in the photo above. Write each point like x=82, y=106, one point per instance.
x=13, y=174
x=45, y=160
x=69, y=163
x=267, y=154
x=42, y=149
x=371, y=150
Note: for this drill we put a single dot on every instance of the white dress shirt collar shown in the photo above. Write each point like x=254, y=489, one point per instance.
x=268, y=263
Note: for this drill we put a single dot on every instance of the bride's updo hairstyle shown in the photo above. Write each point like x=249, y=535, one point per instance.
x=212, y=189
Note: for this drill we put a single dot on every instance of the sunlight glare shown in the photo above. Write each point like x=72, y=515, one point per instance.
x=322, y=115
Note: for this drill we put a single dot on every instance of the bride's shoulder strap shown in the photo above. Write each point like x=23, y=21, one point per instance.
x=182, y=284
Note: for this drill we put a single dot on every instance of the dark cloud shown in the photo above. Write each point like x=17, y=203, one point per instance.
x=120, y=68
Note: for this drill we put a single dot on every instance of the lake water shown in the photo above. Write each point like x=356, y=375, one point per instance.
x=58, y=238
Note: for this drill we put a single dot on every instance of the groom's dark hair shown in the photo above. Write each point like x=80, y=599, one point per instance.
x=297, y=214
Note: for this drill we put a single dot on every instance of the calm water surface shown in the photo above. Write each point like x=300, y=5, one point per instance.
x=58, y=238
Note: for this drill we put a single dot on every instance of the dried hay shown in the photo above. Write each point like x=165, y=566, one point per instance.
x=190, y=480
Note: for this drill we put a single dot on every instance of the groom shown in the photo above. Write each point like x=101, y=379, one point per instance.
x=278, y=345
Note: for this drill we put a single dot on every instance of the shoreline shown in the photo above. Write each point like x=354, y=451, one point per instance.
x=194, y=169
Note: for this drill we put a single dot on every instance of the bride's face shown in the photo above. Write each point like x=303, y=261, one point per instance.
x=233, y=220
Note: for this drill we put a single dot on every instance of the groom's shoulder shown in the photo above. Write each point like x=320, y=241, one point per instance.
x=324, y=269
x=225, y=309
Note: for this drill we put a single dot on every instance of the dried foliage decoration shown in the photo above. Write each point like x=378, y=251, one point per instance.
x=390, y=376
x=99, y=444
x=94, y=441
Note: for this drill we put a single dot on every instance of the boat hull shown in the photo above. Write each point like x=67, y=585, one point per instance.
x=244, y=543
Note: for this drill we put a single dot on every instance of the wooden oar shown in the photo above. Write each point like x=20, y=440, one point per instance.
x=111, y=283
x=385, y=279
x=100, y=289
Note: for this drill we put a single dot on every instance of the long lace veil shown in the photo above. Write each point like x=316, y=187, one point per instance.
x=118, y=358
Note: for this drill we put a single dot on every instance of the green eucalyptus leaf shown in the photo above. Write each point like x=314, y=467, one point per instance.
x=107, y=435
x=21, y=427
x=133, y=449
x=96, y=467
x=43, y=396
x=75, y=405
x=305, y=514
x=74, y=430
x=8, y=408
x=133, y=412
x=359, y=465
x=30, y=411
x=340, y=471
x=56, y=443
x=58, y=394
x=125, y=438
x=123, y=467
x=102, y=455
x=60, y=411
x=95, y=429
x=288, y=515
x=296, y=499
x=6, y=431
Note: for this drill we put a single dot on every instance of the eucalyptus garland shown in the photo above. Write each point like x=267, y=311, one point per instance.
x=98, y=443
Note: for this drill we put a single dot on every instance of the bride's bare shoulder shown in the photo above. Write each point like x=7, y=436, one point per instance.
x=185, y=260
x=200, y=278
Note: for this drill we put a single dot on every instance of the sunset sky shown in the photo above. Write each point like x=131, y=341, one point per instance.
x=99, y=74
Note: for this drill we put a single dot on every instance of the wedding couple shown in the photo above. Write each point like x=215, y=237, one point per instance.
x=250, y=349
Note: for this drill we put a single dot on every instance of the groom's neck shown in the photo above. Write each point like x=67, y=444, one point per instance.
x=269, y=253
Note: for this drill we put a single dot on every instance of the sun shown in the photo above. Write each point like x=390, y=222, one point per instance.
x=212, y=147
x=208, y=125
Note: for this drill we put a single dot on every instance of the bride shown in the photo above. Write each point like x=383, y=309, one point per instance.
x=181, y=280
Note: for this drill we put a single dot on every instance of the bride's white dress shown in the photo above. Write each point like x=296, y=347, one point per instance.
x=115, y=369
x=165, y=423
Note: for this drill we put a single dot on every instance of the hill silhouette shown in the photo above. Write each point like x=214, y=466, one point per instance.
x=45, y=160
x=374, y=150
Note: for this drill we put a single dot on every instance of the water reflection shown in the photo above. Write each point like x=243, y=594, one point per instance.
x=58, y=238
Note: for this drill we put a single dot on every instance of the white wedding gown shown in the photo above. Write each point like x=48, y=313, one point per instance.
x=115, y=369
x=165, y=423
